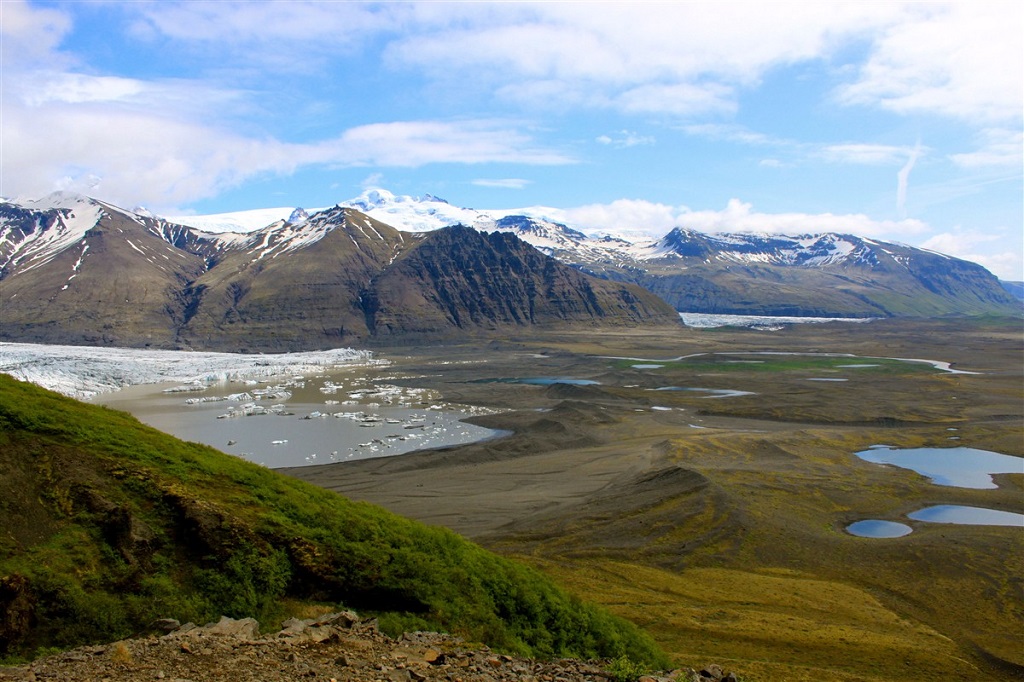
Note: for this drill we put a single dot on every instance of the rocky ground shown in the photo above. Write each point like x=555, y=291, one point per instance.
x=335, y=647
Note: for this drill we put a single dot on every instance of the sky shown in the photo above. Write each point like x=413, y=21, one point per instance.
x=900, y=121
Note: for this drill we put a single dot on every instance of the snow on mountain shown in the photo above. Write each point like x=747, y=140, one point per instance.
x=298, y=216
x=540, y=227
x=814, y=250
x=34, y=233
x=414, y=214
x=240, y=222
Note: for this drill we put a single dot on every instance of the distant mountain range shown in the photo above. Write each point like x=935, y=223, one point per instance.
x=826, y=274
x=397, y=269
x=76, y=270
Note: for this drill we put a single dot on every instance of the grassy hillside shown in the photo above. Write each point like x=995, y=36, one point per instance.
x=108, y=524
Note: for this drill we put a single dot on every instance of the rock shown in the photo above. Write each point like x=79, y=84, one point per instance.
x=166, y=624
x=712, y=672
x=246, y=628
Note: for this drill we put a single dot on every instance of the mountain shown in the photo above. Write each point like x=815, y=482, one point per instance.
x=826, y=274
x=1015, y=289
x=291, y=286
x=110, y=525
x=458, y=278
x=76, y=270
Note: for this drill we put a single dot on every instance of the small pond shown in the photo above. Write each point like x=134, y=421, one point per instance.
x=873, y=528
x=970, y=516
x=539, y=381
x=714, y=392
x=959, y=467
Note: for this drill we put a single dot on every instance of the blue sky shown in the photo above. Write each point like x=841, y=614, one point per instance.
x=897, y=121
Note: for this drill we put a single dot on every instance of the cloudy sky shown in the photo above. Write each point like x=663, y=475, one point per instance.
x=899, y=121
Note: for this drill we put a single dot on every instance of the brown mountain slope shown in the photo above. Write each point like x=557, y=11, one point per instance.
x=116, y=283
x=94, y=274
x=290, y=287
x=458, y=280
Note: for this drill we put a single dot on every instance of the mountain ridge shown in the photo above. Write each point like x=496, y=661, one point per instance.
x=842, y=275
x=105, y=276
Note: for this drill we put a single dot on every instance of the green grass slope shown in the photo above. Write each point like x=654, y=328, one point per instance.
x=106, y=525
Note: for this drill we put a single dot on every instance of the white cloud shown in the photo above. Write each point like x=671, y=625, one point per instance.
x=740, y=217
x=270, y=33
x=959, y=59
x=655, y=219
x=682, y=99
x=417, y=143
x=987, y=248
x=625, y=138
x=624, y=216
x=503, y=183
x=732, y=132
x=998, y=147
x=31, y=35
x=869, y=154
x=903, y=177
x=159, y=158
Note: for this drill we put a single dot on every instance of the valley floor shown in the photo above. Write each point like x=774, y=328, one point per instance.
x=717, y=523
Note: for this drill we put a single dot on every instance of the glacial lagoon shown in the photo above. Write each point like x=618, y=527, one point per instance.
x=302, y=421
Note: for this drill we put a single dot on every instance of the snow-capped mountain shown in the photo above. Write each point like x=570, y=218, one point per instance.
x=76, y=270
x=73, y=269
x=817, y=274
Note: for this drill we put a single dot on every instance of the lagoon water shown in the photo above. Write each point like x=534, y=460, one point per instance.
x=302, y=421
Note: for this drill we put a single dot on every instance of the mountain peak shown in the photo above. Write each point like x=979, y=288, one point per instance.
x=298, y=216
x=60, y=199
x=372, y=198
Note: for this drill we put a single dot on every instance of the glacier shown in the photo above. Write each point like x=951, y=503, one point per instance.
x=82, y=372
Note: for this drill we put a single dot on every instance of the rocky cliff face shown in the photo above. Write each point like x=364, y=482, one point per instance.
x=461, y=279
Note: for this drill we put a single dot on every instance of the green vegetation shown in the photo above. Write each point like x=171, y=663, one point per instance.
x=624, y=669
x=109, y=524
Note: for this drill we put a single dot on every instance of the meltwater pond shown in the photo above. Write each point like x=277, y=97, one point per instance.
x=969, y=516
x=873, y=528
x=959, y=467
